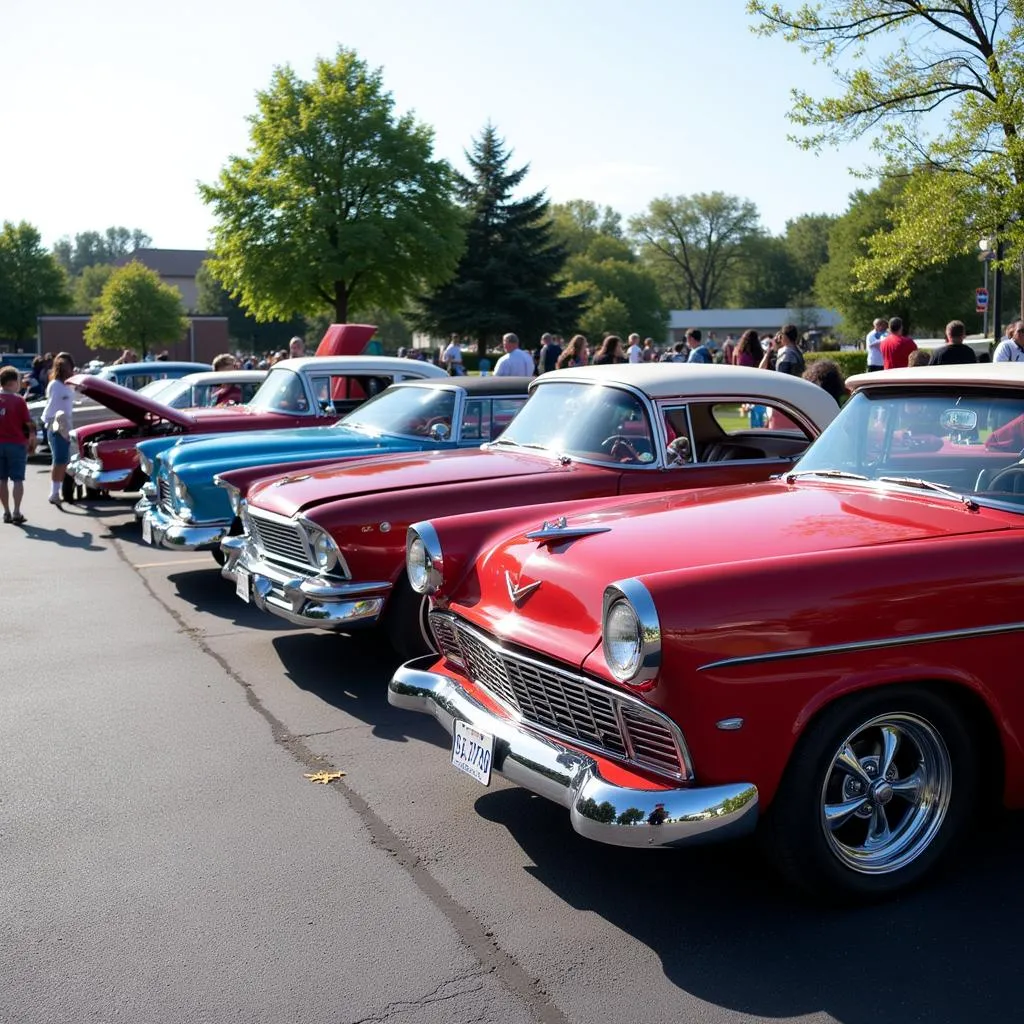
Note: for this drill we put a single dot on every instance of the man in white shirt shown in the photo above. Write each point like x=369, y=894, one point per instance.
x=452, y=357
x=515, y=362
x=873, y=342
x=1011, y=348
x=635, y=352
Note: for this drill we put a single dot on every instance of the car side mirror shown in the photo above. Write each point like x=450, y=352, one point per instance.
x=327, y=407
x=440, y=431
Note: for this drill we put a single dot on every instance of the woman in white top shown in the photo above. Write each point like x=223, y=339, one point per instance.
x=60, y=401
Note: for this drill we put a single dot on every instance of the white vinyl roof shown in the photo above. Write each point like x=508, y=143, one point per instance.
x=708, y=380
x=363, y=364
x=225, y=376
x=983, y=374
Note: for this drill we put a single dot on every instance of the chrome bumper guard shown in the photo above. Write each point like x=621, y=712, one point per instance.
x=89, y=473
x=176, y=534
x=147, y=501
x=598, y=809
x=303, y=600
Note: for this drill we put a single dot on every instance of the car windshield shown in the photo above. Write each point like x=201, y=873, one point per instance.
x=282, y=391
x=412, y=411
x=966, y=442
x=590, y=421
x=165, y=391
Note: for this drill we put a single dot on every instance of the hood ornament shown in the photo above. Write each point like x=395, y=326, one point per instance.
x=517, y=593
x=558, y=530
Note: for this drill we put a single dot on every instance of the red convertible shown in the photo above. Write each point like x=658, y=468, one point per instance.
x=832, y=656
x=326, y=547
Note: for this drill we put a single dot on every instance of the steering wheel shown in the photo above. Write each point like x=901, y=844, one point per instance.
x=424, y=426
x=1005, y=475
x=620, y=448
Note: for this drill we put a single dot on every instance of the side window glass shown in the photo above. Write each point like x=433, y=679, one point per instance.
x=503, y=411
x=476, y=420
x=680, y=450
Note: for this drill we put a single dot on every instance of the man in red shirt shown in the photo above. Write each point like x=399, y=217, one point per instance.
x=896, y=346
x=17, y=436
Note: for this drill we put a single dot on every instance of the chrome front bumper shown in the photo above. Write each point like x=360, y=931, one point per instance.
x=174, y=533
x=89, y=473
x=146, y=502
x=678, y=816
x=303, y=600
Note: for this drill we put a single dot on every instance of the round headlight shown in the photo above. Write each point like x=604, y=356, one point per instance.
x=622, y=639
x=424, y=563
x=179, y=490
x=632, y=633
x=324, y=551
x=145, y=464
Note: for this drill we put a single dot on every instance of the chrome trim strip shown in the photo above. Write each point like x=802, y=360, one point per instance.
x=432, y=545
x=867, y=645
x=614, y=695
x=553, y=533
x=638, y=817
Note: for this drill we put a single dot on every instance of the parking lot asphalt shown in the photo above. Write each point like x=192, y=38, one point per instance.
x=163, y=856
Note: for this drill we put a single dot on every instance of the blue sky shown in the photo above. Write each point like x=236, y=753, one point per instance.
x=111, y=112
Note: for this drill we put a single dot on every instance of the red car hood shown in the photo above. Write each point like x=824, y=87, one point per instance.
x=125, y=402
x=680, y=531
x=403, y=472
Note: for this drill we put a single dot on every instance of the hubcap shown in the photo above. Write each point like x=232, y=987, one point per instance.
x=886, y=793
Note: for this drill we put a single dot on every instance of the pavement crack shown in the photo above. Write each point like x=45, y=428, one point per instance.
x=477, y=938
x=453, y=988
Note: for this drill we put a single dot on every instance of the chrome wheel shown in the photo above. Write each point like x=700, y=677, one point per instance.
x=886, y=793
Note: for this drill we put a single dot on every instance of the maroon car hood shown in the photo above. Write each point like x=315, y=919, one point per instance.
x=127, y=403
x=406, y=472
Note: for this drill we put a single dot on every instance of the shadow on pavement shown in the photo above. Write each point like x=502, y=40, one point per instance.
x=728, y=931
x=207, y=591
x=352, y=673
x=59, y=536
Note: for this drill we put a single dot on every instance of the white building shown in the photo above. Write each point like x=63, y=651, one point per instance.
x=736, y=321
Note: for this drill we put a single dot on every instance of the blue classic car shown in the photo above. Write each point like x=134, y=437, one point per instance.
x=184, y=508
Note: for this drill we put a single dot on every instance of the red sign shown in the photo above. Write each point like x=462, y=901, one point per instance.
x=981, y=296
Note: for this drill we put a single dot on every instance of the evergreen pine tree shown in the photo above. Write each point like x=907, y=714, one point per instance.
x=509, y=276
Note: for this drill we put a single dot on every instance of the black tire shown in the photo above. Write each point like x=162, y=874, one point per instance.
x=93, y=493
x=218, y=555
x=406, y=622
x=832, y=861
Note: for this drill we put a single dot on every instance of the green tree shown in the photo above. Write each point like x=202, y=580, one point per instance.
x=136, y=310
x=806, y=244
x=578, y=223
x=693, y=244
x=510, y=277
x=935, y=294
x=31, y=282
x=764, y=275
x=337, y=202
x=246, y=331
x=94, y=247
x=898, y=63
x=88, y=287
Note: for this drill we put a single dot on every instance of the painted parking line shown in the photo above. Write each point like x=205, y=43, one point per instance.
x=177, y=561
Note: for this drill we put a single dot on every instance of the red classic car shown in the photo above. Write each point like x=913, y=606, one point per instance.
x=326, y=547
x=308, y=392
x=832, y=654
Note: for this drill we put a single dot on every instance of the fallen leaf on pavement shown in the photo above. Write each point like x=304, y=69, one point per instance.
x=324, y=777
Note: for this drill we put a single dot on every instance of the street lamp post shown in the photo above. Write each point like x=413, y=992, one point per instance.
x=985, y=245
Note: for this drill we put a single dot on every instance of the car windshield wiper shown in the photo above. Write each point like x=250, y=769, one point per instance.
x=927, y=485
x=520, y=444
x=832, y=474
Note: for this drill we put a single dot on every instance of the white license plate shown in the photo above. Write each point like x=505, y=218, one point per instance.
x=147, y=530
x=242, y=588
x=472, y=752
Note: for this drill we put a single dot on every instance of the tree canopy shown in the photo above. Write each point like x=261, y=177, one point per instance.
x=92, y=248
x=940, y=89
x=510, y=275
x=337, y=201
x=213, y=300
x=136, y=310
x=31, y=281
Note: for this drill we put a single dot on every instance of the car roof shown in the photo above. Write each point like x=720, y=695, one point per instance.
x=217, y=376
x=364, y=364
x=479, y=386
x=710, y=380
x=995, y=375
x=153, y=366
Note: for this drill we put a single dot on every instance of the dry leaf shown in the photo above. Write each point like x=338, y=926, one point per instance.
x=324, y=777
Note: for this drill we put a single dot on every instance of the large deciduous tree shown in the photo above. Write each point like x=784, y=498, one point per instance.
x=338, y=200
x=694, y=244
x=245, y=330
x=940, y=88
x=510, y=276
x=136, y=310
x=92, y=248
x=31, y=281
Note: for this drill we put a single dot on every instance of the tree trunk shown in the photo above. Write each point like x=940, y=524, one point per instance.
x=340, y=303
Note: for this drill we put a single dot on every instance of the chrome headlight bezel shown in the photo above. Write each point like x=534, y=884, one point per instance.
x=323, y=549
x=234, y=494
x=424, y=560
x=639, y=662
x=179, y=491
x=146, y=464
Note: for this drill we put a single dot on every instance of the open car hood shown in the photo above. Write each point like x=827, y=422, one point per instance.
x=125, y=402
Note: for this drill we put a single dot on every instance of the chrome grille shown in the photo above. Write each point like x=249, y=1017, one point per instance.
x=565, y=704
x=163, y=492
x=279, y=539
